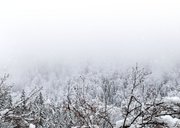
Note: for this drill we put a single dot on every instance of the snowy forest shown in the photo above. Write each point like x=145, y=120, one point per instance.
x=131, y=98
x=89, y=63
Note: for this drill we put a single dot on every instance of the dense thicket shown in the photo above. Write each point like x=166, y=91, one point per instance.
x=133, y=98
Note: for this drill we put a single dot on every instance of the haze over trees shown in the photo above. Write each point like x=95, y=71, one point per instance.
x=132, y=98
x=72, y=64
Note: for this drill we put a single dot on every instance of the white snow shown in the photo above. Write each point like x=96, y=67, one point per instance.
x=48, y=101
x=119, y=123
x=171, y=122
x=32, y=126
x=92, y=126
x=2, y=113
x=172, y=100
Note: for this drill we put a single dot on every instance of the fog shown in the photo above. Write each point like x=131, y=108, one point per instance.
x=96, y=31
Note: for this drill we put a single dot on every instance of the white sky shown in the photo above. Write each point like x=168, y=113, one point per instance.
x=71, y=29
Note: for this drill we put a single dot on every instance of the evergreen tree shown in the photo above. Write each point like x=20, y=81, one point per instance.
x=23, y=100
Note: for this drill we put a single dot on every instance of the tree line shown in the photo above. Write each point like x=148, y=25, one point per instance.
x=132, y=99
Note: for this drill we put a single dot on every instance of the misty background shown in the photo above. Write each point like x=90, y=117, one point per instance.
x=74, y=34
